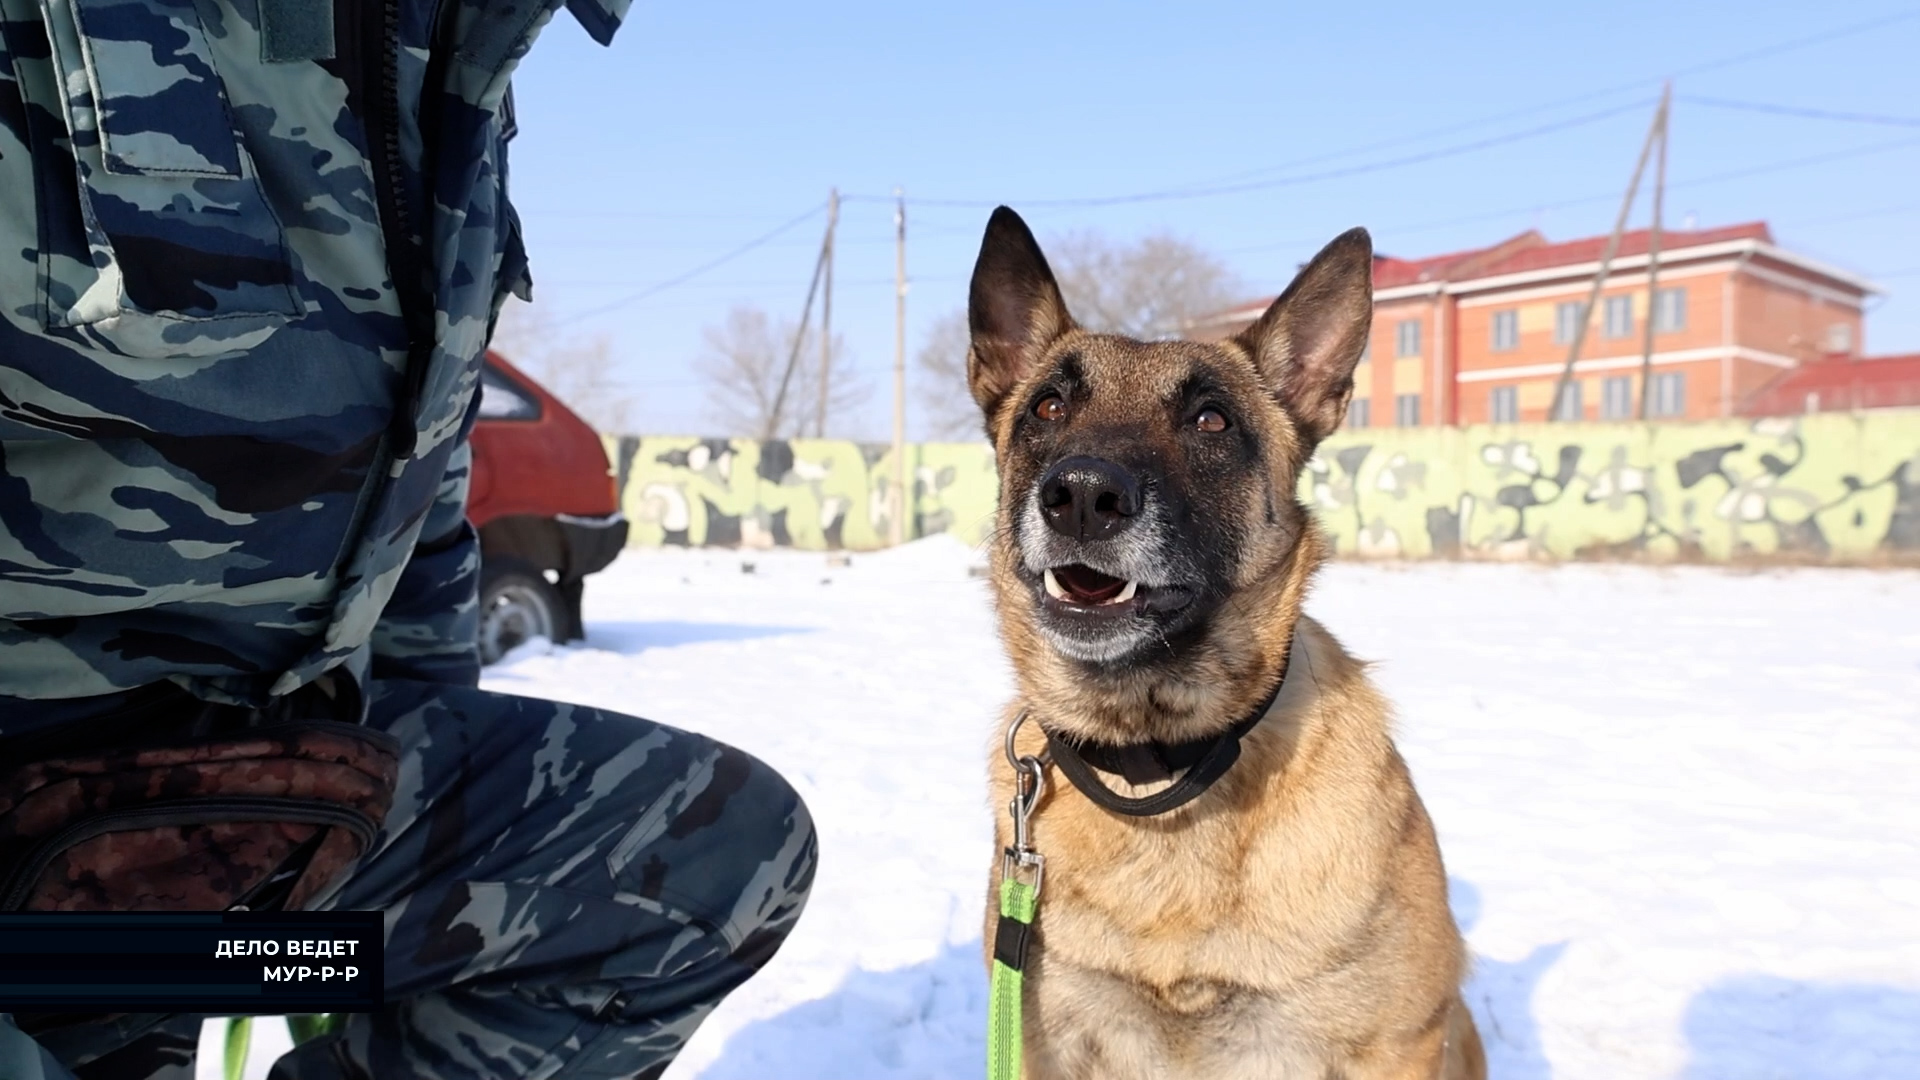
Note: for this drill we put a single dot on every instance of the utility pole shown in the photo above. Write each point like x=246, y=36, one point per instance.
x=1606, y=261
x=826, y=316
x=772, y=428
x=1653, y=252
x=897, y=519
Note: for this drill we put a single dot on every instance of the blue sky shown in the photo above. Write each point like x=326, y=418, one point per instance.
x=708, y=125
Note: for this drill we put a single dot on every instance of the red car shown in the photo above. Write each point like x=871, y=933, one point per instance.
x=546, y=503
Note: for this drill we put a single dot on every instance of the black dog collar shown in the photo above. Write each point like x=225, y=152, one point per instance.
x=1205, y=761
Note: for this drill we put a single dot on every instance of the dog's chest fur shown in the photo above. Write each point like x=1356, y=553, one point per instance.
x=1187, y=986
x=1189, y=945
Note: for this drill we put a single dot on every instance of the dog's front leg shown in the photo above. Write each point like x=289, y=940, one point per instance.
x=1450, y=1049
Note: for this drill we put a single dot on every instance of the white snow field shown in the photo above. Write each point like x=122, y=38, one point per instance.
x=1677, y=805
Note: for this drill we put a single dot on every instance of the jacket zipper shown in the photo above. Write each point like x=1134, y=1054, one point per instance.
x=406, y=241
x=204, y=811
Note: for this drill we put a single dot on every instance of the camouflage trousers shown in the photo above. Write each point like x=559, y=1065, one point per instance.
x=569, y=892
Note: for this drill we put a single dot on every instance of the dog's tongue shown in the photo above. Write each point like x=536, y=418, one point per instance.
x=1087, y=585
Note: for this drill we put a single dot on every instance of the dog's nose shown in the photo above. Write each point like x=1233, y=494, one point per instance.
x=1085, y=498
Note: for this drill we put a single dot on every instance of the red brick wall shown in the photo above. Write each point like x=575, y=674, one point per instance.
x=1787, y=321
x=1759, y=314
x=1386, y=375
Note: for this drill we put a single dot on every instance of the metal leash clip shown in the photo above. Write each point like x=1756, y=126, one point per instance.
x=1030, y=783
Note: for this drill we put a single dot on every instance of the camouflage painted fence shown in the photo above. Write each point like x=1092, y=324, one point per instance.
x=1833, y=487
x=819, y=494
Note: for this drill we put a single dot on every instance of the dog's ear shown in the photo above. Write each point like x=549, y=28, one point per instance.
x=1014, y=310
x=1307, y=343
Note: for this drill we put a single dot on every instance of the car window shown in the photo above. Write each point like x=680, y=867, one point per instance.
x=502, y=399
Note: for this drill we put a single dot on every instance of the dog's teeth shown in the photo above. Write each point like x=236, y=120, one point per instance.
x=1053, y=587
x=1126, y=594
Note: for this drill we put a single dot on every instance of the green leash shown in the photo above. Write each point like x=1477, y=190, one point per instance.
x=1204, y=762
x=1009, y=962
x=1018, y=901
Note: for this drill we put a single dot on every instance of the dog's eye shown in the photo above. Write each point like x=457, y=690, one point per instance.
x=1211, y=421
x=1051, y=407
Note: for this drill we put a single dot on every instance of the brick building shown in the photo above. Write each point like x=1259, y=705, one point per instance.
x=1481, y=336
x=1842, y=384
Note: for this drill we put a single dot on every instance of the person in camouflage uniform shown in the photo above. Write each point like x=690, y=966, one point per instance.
x=250, y=254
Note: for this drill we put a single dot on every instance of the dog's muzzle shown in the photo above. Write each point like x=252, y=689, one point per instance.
x=1094, y=548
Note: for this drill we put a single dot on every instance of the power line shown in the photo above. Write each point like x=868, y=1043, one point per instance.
x=1216, y=188
x=604, y=239
x=1427, y=226
x=1737, y=174
x=1859, y=215
x=544, y=214
x=1197, y=192
x=1710, y=65
x=1808, y=114
x=1430, y=226
x=1794, y=163
x=681, y=279
x=1800, y=43
x=1376, y=166
x=766, y=283
x=1223, y=185
x=1419, y=137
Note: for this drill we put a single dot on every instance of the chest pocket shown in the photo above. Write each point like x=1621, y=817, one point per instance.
x=179, y=253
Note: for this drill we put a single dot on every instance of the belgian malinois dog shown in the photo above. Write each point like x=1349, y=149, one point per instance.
x=1149, y=564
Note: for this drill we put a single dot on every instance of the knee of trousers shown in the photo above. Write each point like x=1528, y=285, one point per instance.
x=785, y=875
x=729, y=844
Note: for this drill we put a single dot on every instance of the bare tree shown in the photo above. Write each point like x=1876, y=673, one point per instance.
x=744, y=363
x=1152, y=288
x=577, y=369
x=847, y=389
x=947, y=407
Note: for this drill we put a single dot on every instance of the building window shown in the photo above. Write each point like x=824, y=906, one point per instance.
x=1406, y=338
x=1839, y=339
x=1506, y=331
x=1669, y=395
x=1616, y=398
x=1360, y=413
x=1571, y=407
x=1566, y=320
x=1505, y=406
x=1669, y=310
x=1619, y=313
x=1406, y=410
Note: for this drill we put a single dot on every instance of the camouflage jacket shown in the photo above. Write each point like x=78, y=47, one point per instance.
x=250, y=254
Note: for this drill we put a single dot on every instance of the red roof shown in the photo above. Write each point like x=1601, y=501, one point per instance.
x=1589, y=249
x=1389, y=272
x=1522, y=252
x=1875, y=382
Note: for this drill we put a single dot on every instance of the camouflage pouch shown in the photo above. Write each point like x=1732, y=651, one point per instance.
x=260, y=819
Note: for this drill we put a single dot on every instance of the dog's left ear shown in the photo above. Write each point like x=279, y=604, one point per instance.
x=1307, y=343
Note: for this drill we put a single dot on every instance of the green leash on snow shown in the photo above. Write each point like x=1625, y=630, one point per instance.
x=1019, y=900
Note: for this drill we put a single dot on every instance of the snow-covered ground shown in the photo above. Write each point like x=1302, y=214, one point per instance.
x=1677, y=804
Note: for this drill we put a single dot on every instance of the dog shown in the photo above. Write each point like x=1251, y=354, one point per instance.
x=1148, y=567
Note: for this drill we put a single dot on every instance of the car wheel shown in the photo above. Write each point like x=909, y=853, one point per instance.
x=517, y=604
